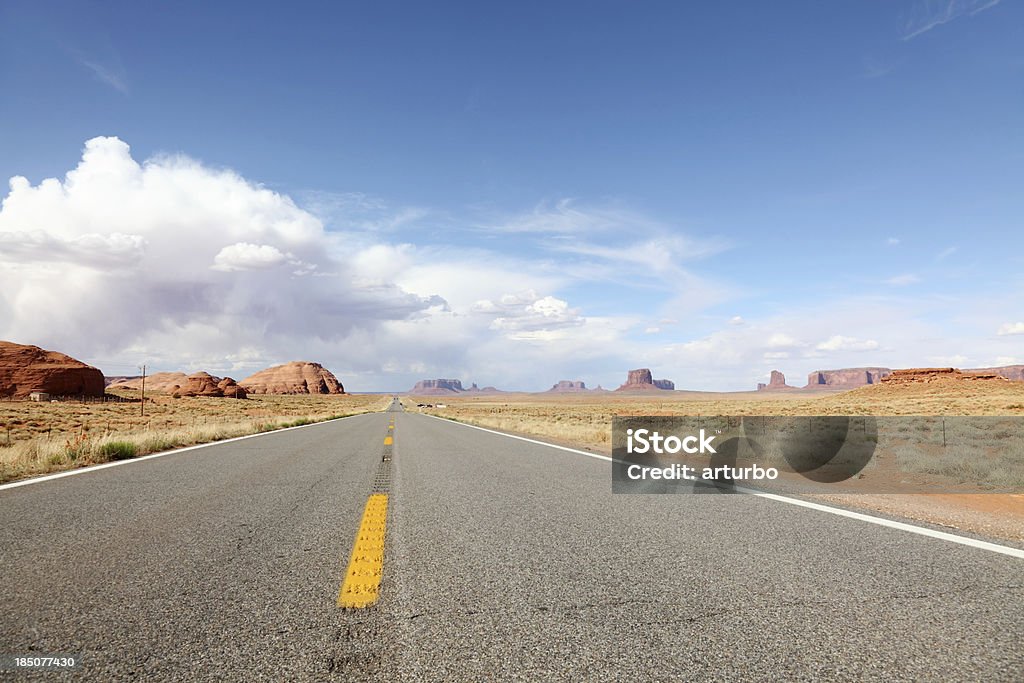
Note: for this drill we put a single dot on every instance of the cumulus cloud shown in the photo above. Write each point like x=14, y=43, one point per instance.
x=1011, y=328
x=168, y=256
x=528, y=315
x=245, y=256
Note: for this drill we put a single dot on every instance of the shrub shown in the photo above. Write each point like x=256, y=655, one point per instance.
x=118, y=450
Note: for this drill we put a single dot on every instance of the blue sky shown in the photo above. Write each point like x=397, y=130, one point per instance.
x=528, y=191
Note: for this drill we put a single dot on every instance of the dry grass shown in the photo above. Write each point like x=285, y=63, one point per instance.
x=585, y=419
x=37, y=438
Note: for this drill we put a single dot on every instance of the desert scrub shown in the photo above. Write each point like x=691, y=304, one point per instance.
x=117, y=450
x=172, y=424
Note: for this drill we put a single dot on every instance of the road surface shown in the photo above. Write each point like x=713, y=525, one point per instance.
x=504, y=560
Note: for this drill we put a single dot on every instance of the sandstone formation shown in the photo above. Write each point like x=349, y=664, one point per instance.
x=158, y=381
x=568, y=386
x=232, y=389
x=1012, y=372
x=486, y=390
x=205, y=384
x=930, y=375
x=437, y=387
x=26, y=369
x=297, y=377
x=448, y=387
x=777, y=382
x=846, y=378
x=642, y=380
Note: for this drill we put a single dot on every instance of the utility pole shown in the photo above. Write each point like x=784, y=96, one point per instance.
x=143, y=404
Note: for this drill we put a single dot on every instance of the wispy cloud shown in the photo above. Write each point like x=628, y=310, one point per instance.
x=359, y=211
x=114, y=77
x=838, y=342
x=903, y=280
x=928, y=14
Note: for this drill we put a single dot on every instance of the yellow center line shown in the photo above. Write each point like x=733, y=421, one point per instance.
x=361, y=586
x=388, y=441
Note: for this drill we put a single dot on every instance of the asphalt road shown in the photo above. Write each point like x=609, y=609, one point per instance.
x=504, y=560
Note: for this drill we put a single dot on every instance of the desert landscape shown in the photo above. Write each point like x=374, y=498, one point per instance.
x=57, y=413
x=582, y=419
x=97, y=419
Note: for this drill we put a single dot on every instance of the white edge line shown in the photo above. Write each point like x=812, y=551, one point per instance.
x=93, y=468
x=880, y=521
x=597, y=456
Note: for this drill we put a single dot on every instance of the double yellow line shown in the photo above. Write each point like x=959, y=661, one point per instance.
x=361, y=585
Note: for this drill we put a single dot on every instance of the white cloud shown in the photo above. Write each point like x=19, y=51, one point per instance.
x=893, y=241
x=99, y=250
x=652, y=330
x=246, y=256
x=779, y=340
x=163, y=258
x=527, y=315
x=736, y=320
x=838, y=342
x=1011, y=328
x=955, y=360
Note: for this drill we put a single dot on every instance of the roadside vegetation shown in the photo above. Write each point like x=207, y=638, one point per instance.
x=585, y=419
x=40, y=438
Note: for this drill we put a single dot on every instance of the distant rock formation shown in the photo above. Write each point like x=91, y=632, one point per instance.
x=26, y=369
x=642, y=380
x=927, y=375
x=296, y=377
x=568, y=386
x=205, y=384
x=447, y=387
x=846, y=378
x=158, y=381
x=1011, y=372
x=777, y=382
x=474, y=389
x=434, y=387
